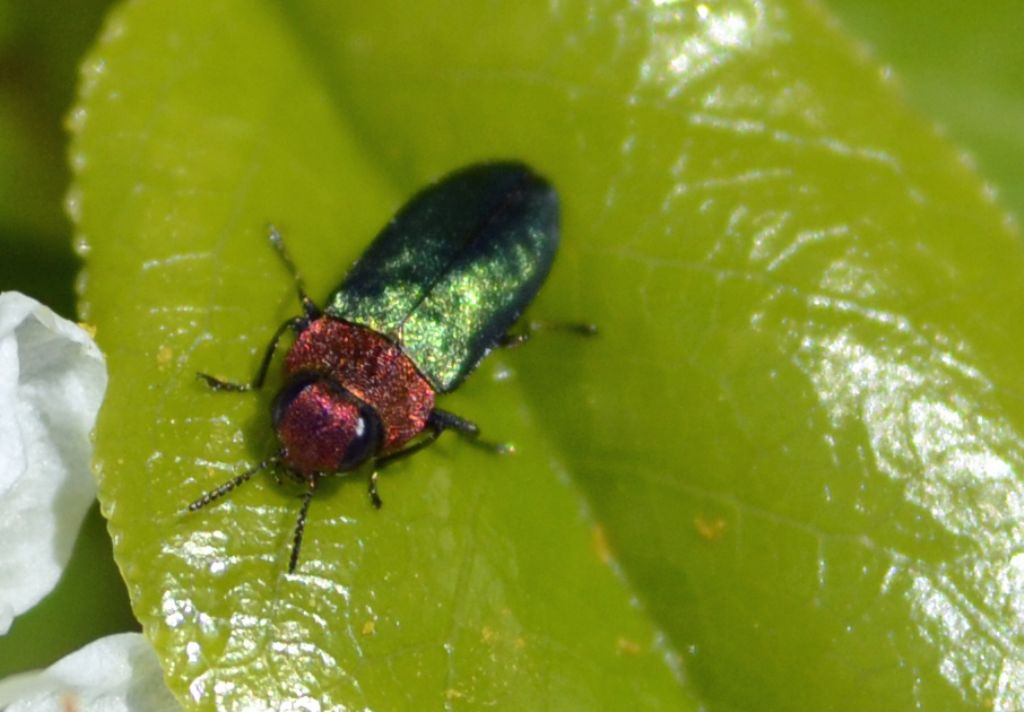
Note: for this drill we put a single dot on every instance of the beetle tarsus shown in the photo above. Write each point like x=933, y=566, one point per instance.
x=441, y=420
x=512, y=340
x=218, y=385
x=374, y=494
x=581, y=328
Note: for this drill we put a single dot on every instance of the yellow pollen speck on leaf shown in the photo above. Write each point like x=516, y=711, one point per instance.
x=709, y=529
x=599, y=541
x=625, y=646
x=164, y=355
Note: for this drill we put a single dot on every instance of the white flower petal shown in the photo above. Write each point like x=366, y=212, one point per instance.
x=52, y=380
x=119, y=673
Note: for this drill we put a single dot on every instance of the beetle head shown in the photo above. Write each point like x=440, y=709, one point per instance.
x=322, y=427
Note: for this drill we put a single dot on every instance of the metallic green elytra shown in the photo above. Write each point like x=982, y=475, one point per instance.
x=455, y=268
x=436, y=290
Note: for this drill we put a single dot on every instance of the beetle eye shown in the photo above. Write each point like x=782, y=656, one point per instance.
x=367, y=438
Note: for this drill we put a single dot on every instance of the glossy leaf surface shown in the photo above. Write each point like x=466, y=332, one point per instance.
x=798, y=431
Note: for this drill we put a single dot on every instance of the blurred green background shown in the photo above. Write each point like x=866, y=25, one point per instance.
x=40, y=46
x=956, y=64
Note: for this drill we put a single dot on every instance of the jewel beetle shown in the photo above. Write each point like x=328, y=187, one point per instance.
x=434, y=293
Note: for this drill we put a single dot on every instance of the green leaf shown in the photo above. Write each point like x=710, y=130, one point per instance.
x=961, y=67
x=797, y=431
x=479, y=582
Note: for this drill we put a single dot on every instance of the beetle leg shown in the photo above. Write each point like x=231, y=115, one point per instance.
x=406, y=451
x=296, y=324
x=512, y=340
x=311, y=312
x=398, y=455
x=438, y=422
x=308, y=306
x=442, y=420
x=374, y=494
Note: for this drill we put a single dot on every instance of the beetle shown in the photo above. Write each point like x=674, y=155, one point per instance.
x=434, y=293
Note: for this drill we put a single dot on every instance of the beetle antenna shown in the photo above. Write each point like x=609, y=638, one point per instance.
x=215, y=494
x=308, y=306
